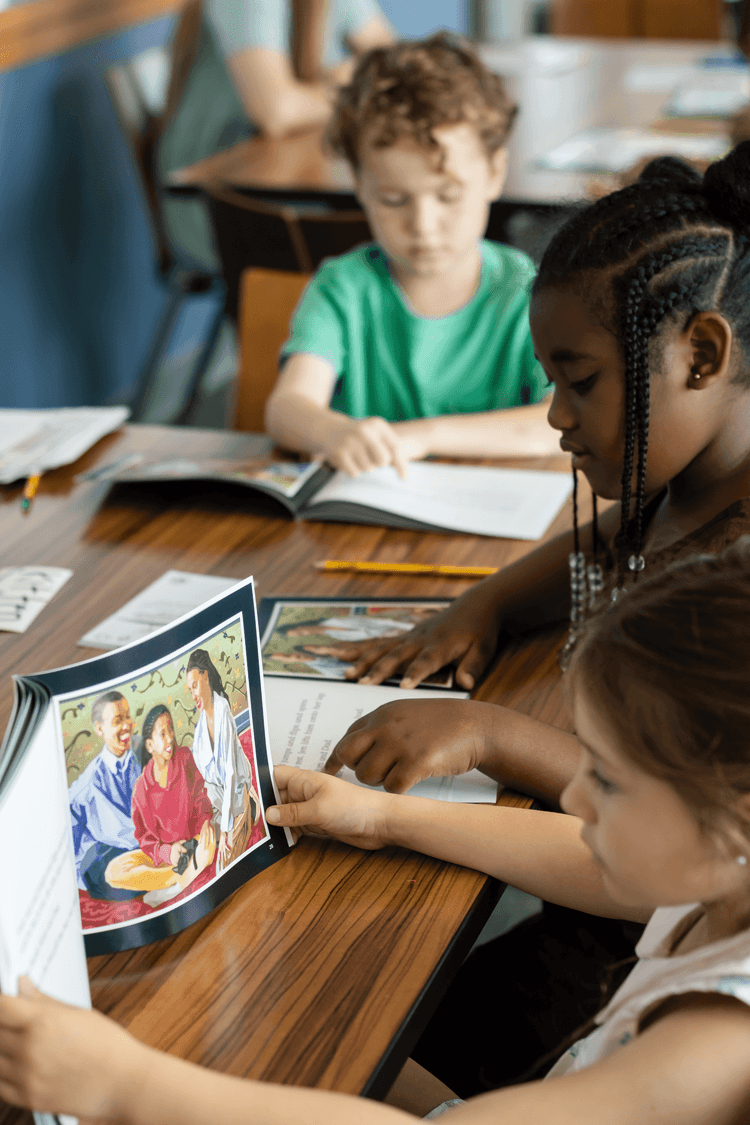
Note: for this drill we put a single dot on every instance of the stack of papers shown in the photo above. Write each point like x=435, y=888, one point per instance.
x=33, y=441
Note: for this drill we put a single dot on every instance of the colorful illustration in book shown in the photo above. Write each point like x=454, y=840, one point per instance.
x=286, y=477
x=162, y=781
x=300, y=637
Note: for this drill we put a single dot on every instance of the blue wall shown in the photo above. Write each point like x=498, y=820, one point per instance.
x=79, y=299
x=415, y=18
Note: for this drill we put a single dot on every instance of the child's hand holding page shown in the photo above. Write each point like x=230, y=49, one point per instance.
x=327, y=806
x=59, y=1058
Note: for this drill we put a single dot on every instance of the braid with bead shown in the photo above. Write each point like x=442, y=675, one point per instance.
x=670, y=243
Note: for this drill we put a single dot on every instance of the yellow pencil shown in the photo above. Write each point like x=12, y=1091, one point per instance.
x=29, y=491
x=406, y=568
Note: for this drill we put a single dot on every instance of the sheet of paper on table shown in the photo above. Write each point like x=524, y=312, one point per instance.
x=711, y=94
x=25, y=591
x=616, y=150
x=306, y=718
x=33, y=441
x=658, y=78
x=169, y=597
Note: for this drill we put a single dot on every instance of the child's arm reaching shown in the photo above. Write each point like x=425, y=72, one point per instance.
x=533, y=591
x=62, y=1059
x=541, y=853
x=298, y=417
x=517, y=431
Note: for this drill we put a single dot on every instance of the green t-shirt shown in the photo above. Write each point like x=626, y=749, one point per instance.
x=396, y=364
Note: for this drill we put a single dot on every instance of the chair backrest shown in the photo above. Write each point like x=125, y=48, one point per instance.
x=275, y=236
x=667, y=19
x=143, y=124
x=267, y=301
x=327, y=234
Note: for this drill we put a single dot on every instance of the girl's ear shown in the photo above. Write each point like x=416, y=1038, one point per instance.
x=709, y=338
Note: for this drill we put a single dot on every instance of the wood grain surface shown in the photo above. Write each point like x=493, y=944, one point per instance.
x=41, y=28
x=323, y=969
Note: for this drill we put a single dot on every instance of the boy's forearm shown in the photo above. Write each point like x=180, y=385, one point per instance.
x=520, y=431
x=297, y=423
x=539, y=852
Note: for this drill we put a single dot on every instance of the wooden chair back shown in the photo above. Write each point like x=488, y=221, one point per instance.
x=267, y=301
x=667, y=19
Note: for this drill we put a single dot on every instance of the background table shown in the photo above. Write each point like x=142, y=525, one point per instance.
x=562, y=85
x=324, y=968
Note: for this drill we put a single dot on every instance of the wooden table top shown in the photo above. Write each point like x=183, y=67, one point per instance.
x=584, y=79
x=322, y=970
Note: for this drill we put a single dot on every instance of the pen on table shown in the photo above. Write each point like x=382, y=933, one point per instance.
x=29, y=491
x=406, y=568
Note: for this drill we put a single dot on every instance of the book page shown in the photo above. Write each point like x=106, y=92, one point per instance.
x=509, y=503
x=40, y=922
x=306, y=718
x=297, y=627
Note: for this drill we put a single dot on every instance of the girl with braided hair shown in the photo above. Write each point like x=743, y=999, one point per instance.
x=640, y=316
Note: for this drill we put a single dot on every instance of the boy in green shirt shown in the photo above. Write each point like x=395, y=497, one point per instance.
x=418, y=343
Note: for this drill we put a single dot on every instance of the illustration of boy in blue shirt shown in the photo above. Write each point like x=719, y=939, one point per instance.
x=101, y=799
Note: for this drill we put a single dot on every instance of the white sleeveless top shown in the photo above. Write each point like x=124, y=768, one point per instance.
x=723, y=966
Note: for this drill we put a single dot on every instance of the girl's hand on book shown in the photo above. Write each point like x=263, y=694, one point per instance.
x=465, y=634
x=60, y=1059
x=318, y=805
x=404, y=742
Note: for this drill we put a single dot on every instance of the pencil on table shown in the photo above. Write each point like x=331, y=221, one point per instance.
x=29, y=491
x=406, y=568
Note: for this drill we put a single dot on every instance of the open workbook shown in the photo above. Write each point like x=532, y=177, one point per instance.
x=508, y=503
x=134, y=785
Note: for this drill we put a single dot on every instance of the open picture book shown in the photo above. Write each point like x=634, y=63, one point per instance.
x=134, y=785
x=507, y=503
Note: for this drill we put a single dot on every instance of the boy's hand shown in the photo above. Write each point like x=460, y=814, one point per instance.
x=404, y=742
x=56, y=1058
x=327, y=806
x=360, y=444
x=176, y=850
x=465, y=634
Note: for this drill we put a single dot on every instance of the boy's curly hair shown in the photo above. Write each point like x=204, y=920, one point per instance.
x=413, y=88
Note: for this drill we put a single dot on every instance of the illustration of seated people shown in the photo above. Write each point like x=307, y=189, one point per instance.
x=172, y=819
x=223, y=761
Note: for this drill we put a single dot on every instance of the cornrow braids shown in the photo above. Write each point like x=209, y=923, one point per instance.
x=670, y=243
x=643, y=311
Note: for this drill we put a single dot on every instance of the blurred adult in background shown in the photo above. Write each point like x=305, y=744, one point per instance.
x=268, y=66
